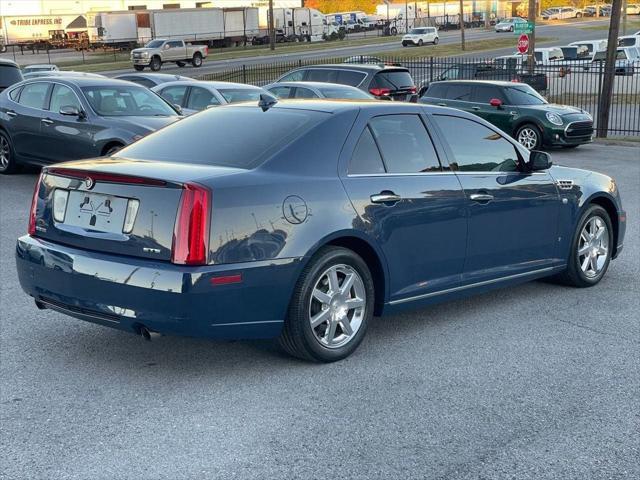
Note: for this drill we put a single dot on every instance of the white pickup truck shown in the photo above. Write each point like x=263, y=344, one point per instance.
x=160, y=51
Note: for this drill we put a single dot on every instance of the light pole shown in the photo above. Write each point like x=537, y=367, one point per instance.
x=461, y=19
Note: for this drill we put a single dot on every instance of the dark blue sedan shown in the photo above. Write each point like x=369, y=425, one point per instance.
x=306, y=225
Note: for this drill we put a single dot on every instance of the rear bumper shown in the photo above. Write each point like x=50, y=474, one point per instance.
x=127, y=293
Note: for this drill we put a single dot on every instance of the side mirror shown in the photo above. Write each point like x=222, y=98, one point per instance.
x=539, y=160
x=495, y=102
x=166, y=46
x=71, y=111
x=177, y=108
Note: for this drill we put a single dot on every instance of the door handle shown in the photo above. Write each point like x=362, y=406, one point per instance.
x=442, y=104
x=47, y=121
x=385, y=197
x=481, y=197
x=475, y=109
x=11, y=113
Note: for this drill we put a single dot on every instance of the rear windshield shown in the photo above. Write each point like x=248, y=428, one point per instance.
x=395, y=80
x=344, y=93
x=9, y=75
x=236, y=95
x=627, y=42
x=239, y=137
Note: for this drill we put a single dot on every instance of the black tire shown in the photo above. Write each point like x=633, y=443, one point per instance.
x=436, y=40
x=574, y=274
x=298, y=338
x=156, y=64
x=524, y=130
x=138, y=68
x=8, y=164
x=511, y=28
x=197, y=60
x=112, y=149
x=420, y=43
x=394, y=31
x=180, y=64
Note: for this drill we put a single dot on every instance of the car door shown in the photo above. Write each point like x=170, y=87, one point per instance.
x=501, y=116
x=513, y=214
x=68, y=137
x=26, y=120
x=458, y=95
x=412, y=208
x=176, y=51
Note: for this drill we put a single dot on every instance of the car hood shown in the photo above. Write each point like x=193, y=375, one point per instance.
x=142, y=50
x=557, y=109
x=145, y=124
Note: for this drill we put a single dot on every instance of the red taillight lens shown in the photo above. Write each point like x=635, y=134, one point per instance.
x=413, y=89
x=379, y=92
x=191, y=231
x=34, y=208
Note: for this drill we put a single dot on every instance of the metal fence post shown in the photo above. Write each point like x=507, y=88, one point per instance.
x=244, y=73
x=430, y=69
x=599, y=130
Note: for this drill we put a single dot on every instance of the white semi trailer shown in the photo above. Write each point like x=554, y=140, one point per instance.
x=296, y=24
x=43, y=31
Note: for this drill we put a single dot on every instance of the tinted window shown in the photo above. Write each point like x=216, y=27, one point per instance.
x=405, y=144
x=63, y=96
x=475, y=147
x=347, y=77
x=366, y=157
x=9, y=75
x=484, y=94
x=302, y=92
x=154, y=44
x=235, y=95
x=174, y=44
x=34, y=95
x=225, y=140
x=15, y=93
x=145, y=82
x=201, y=98
x=394, y=80
x=461, y=93
x=296, y=76
x=437, y=90
x=174, y=95
x=123, y=101
x=348, y=93
x=281, y=92
x=318, y=75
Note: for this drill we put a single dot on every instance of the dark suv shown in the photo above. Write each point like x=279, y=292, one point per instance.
x=382, y=81
x=9, y=74
x=517, y=109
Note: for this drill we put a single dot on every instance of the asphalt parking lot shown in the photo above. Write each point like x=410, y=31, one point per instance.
x=533, y=382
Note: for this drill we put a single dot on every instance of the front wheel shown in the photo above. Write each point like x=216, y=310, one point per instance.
x=529, y=136
x=436, y=40
x=197, y=60
x=156, y=64
x=420, y=43
x=591, y=249
x=7, y=158
x=331, y=307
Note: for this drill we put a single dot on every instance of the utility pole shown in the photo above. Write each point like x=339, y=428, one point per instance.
x=604, y=105
x=624, y=17
x=461, y=19
x=531, y=60
x=272, y=27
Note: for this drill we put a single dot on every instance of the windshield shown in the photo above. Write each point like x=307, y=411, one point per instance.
x=236, y=95
x=524, y=95
x=9, y=75
x=123, y=101
x=154, y=44
x=344, y=93
x=218, y=136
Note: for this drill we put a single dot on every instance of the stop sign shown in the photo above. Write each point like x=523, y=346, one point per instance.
x=523, y=43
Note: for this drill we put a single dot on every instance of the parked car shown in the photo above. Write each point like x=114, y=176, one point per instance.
x=60, y=73
x=561, y=13
x=160, y=51
x=193, y=95
x=576, y=54
x=516, y=109
x=627, y=60
x=593, y=46
x=9, y=73
x=420, y=35
x=365, y=59
x=307, y=90
x=45, y=67
x=508, y=24
x=49, y=120
x=633, y=9
x=325, y=218
x=382, y=81
x=150, y=80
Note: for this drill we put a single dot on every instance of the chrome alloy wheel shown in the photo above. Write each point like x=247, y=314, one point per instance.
x=593, y=247
x=5, y=152
x=528, y=138
x=337, y=306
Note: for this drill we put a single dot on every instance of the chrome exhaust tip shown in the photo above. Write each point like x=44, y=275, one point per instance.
x=147, y=334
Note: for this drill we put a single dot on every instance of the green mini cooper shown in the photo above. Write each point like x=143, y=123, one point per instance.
x=517, y=109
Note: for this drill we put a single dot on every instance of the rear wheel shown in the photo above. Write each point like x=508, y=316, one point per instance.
x=529, y=136
x=138, y=68
x=112, y=149
x=420, y=43
x=331, y=307
x=591, y=249
x=180, y=64
x=197, y=60
x=155, y=64
x=7, y=158
x=436, y=40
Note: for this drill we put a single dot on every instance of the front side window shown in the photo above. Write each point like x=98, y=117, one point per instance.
x=366, y=159
x=122, y=101
x=321, y=75
x=475, y=147
x=405, y=144
x=486, y=93
x=523, y=95
x=201, y=98
x=34, y=95
x=63, y=96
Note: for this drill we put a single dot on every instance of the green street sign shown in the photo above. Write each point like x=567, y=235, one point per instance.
x=520, y=28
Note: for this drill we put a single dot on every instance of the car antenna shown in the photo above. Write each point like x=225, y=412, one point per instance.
x=266, y=101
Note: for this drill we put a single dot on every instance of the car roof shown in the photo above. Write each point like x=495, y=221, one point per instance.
x=6, y=61
x=211, y=84
x=40, y=65
x=499, y=83
x=83, y=81
x=313, y=85
x=361, y=67
x=151, y=76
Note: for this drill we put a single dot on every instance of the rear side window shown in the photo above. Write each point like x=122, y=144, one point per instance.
x=437, y=90
x=405, y=144
x=201, y=98
x=366, y=157
x=9, y=75
x=475, y=147
x=296, y=76
x=394, y=80
x=34, y=95
x=224, y=142
x=237, y=95
x=15, y=93
x=174, y=95
x=281, y=92
x=460, y=93
x=348, y=77
x=302, y=92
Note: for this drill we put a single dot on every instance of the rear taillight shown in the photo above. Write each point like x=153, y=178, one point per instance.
x=34, y=207
x=379, y=92
x=413, y=89
x=191, y=231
